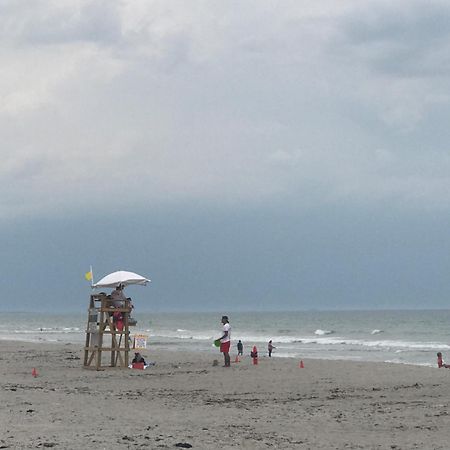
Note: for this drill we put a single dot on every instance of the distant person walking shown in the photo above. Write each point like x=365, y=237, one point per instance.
x=225, y=341
x=270, y=348
x=240, y=348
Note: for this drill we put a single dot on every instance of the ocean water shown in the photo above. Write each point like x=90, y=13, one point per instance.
x=411, y=337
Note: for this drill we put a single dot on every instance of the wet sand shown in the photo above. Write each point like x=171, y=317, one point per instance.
x=184, y=400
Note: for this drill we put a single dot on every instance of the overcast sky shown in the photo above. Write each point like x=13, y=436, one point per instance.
x=242, y=155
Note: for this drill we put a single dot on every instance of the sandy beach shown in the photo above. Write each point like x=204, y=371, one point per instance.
x=185, y=401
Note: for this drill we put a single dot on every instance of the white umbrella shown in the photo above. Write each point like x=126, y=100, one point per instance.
x=121, y=277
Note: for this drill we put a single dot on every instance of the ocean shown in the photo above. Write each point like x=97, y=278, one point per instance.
x=409, y=337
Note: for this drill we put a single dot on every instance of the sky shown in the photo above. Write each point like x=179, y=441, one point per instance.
x=257, y=155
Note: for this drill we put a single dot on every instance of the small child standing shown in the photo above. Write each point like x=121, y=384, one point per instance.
x=440, y=363
x=240, y=348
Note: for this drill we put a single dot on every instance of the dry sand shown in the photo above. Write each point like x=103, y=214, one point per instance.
x=185, y=400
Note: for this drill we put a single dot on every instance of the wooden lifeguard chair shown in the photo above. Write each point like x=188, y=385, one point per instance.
x=106, y=336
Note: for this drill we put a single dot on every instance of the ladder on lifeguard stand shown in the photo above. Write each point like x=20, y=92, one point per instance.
x=104, y=335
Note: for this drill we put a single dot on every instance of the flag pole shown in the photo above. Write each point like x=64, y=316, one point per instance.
x=92, y=278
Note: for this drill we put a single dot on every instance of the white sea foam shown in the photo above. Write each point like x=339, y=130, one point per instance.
x=376, y=331
x=397, y=361
x=51, y=330
x=45, y=331
x=184, y=335
x=321, y=340
x=323, y=332
x=378, y=343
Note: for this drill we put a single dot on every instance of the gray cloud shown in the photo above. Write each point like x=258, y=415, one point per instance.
x=105, y=103
x=44, y=23
x=404, y=41
x=298, y=149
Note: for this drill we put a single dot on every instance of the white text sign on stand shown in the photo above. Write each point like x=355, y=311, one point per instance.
x=140, y=341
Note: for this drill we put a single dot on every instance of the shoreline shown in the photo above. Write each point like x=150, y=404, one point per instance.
x=404, y=338
x=185, y=399
x=276, y=355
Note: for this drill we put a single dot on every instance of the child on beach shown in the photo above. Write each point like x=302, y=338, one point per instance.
x=440, y=363
x=240, y=348
x=270, y=348
x=138, y=358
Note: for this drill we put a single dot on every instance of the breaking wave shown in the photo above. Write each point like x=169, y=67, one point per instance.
x=323, y=332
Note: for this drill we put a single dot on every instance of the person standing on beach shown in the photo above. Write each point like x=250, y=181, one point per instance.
x=225, y=341
x=270, y=348
x=240, y=348
x=440, y=362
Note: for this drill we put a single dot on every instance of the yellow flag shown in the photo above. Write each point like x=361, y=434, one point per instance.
x=88, y=276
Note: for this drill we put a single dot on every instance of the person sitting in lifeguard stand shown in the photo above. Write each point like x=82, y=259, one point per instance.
x=117, y=296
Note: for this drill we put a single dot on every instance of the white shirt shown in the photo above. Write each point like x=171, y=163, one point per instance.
x=226, y=327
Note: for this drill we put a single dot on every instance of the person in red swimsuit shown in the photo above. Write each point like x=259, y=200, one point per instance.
x=441, y=363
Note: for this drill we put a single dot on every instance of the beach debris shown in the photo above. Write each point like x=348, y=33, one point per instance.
x=34, y=372
x=183, y=445
x=215, y=362
x=301, y=365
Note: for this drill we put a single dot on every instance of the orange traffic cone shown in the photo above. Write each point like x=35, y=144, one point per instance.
x=237, y=359
x=301, y=365
x=34, y=372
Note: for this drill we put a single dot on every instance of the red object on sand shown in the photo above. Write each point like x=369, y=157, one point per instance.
x=301, y=365
x=254, y=355
x=138, y=366
x=34, y=372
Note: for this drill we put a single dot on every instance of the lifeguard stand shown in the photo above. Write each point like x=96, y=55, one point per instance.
x=105, y=335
